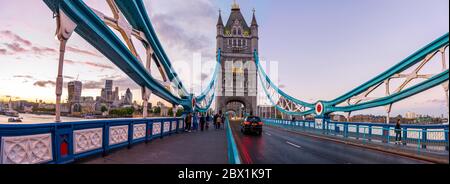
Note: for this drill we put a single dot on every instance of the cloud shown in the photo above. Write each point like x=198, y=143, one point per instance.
x=3, y=51
x=93, y=85
x=204, y=76
x=44, y=83
x=89, y=63
x=81, y=51
x=122, y=83
x=24, y=76
x=68, y=61
x=178, y=27
x=68, y=77
x=438, y=101
x=43, y=50
x=98, y=65
x=16, y=38
x=17, y=44
x=15, y=47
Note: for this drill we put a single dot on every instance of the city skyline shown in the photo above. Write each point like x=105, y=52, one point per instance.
x=31, y=56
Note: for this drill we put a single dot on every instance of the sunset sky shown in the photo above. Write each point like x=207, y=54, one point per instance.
x=324, y=48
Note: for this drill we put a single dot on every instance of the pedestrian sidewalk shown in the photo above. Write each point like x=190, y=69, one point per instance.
x=208, y=147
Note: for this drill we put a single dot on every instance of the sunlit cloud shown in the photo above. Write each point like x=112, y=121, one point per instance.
x=47, y=83
x=81, y=51
x=16, y=38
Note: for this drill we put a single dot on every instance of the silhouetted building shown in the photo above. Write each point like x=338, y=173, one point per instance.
x=74, y=88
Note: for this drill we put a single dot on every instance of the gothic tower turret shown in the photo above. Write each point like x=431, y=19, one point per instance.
x=254, y=28
x=238, y=80
x=220, y=30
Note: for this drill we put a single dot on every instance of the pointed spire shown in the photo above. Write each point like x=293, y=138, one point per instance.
x=254, y=23
x=235, y=6
x=220, y=22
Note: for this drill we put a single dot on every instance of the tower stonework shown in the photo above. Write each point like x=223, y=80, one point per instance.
x=238, y=80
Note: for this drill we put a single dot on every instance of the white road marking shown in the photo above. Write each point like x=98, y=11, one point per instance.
x=292, y=144
x=268, y=134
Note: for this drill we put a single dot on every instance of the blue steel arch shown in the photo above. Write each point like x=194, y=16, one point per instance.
x=330, y=106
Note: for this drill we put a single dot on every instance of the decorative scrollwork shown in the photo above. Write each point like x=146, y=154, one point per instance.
x=118, y=134
x=30, y=149
x=88, y=139
x=139, y=131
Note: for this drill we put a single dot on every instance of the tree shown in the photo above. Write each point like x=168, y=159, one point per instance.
x=104, y=109
x=170, y=112
x=157, y=110
x=180, y=112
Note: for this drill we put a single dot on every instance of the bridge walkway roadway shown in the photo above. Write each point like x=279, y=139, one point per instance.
x=196, y=147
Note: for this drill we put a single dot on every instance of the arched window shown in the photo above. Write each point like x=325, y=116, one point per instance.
x=239, y=32
x=234, y=31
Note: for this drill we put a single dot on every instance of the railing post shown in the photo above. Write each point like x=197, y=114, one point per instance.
x=424, y=138
x=346, y=130
x=63, y=140
x=405, y=135
x=162, y=129
x=130, y=134
x=357, y=132
x=446, y=138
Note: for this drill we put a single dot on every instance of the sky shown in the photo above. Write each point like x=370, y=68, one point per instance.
x=323, y=48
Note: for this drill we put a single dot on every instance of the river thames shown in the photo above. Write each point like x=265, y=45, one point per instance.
x=34, y=118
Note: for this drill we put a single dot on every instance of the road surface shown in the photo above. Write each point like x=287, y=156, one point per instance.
x=276, y=146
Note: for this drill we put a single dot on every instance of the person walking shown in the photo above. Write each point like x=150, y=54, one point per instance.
x=215, y=120
x=208, y=119
x=222, y=120
x=188, y=121
x=202, y=122
x=195, y=122
x=398, y=132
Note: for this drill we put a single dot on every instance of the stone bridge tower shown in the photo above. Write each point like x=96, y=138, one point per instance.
x=237, y=83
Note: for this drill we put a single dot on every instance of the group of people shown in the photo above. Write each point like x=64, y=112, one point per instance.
x=193, y=120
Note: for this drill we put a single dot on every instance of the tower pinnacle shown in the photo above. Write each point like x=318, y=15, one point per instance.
x=235, y=6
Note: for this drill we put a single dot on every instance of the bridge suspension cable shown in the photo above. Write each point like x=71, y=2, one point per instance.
x=279, y=99
x=206, y=98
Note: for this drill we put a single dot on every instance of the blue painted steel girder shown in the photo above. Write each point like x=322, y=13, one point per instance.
x=136, y=14
x=430, y=83
x=402, y=66
x=98, y=34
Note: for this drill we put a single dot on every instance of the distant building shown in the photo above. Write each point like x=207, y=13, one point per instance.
x=74, y=89
x=410, y=115
x=87, y=99
x=103, y=94
x=116, y=94
x=109, y=90
x=128, y=98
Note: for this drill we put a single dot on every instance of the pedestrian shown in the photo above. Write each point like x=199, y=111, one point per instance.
x=222, y=118
x=293, y=119
x=202, y=122
x=195, y=122
x=188, y=121
x=398, y=132
x=218, y=121
x=215, y=120
x=208, y=120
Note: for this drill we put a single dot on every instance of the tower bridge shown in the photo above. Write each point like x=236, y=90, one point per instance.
x=233, y=89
